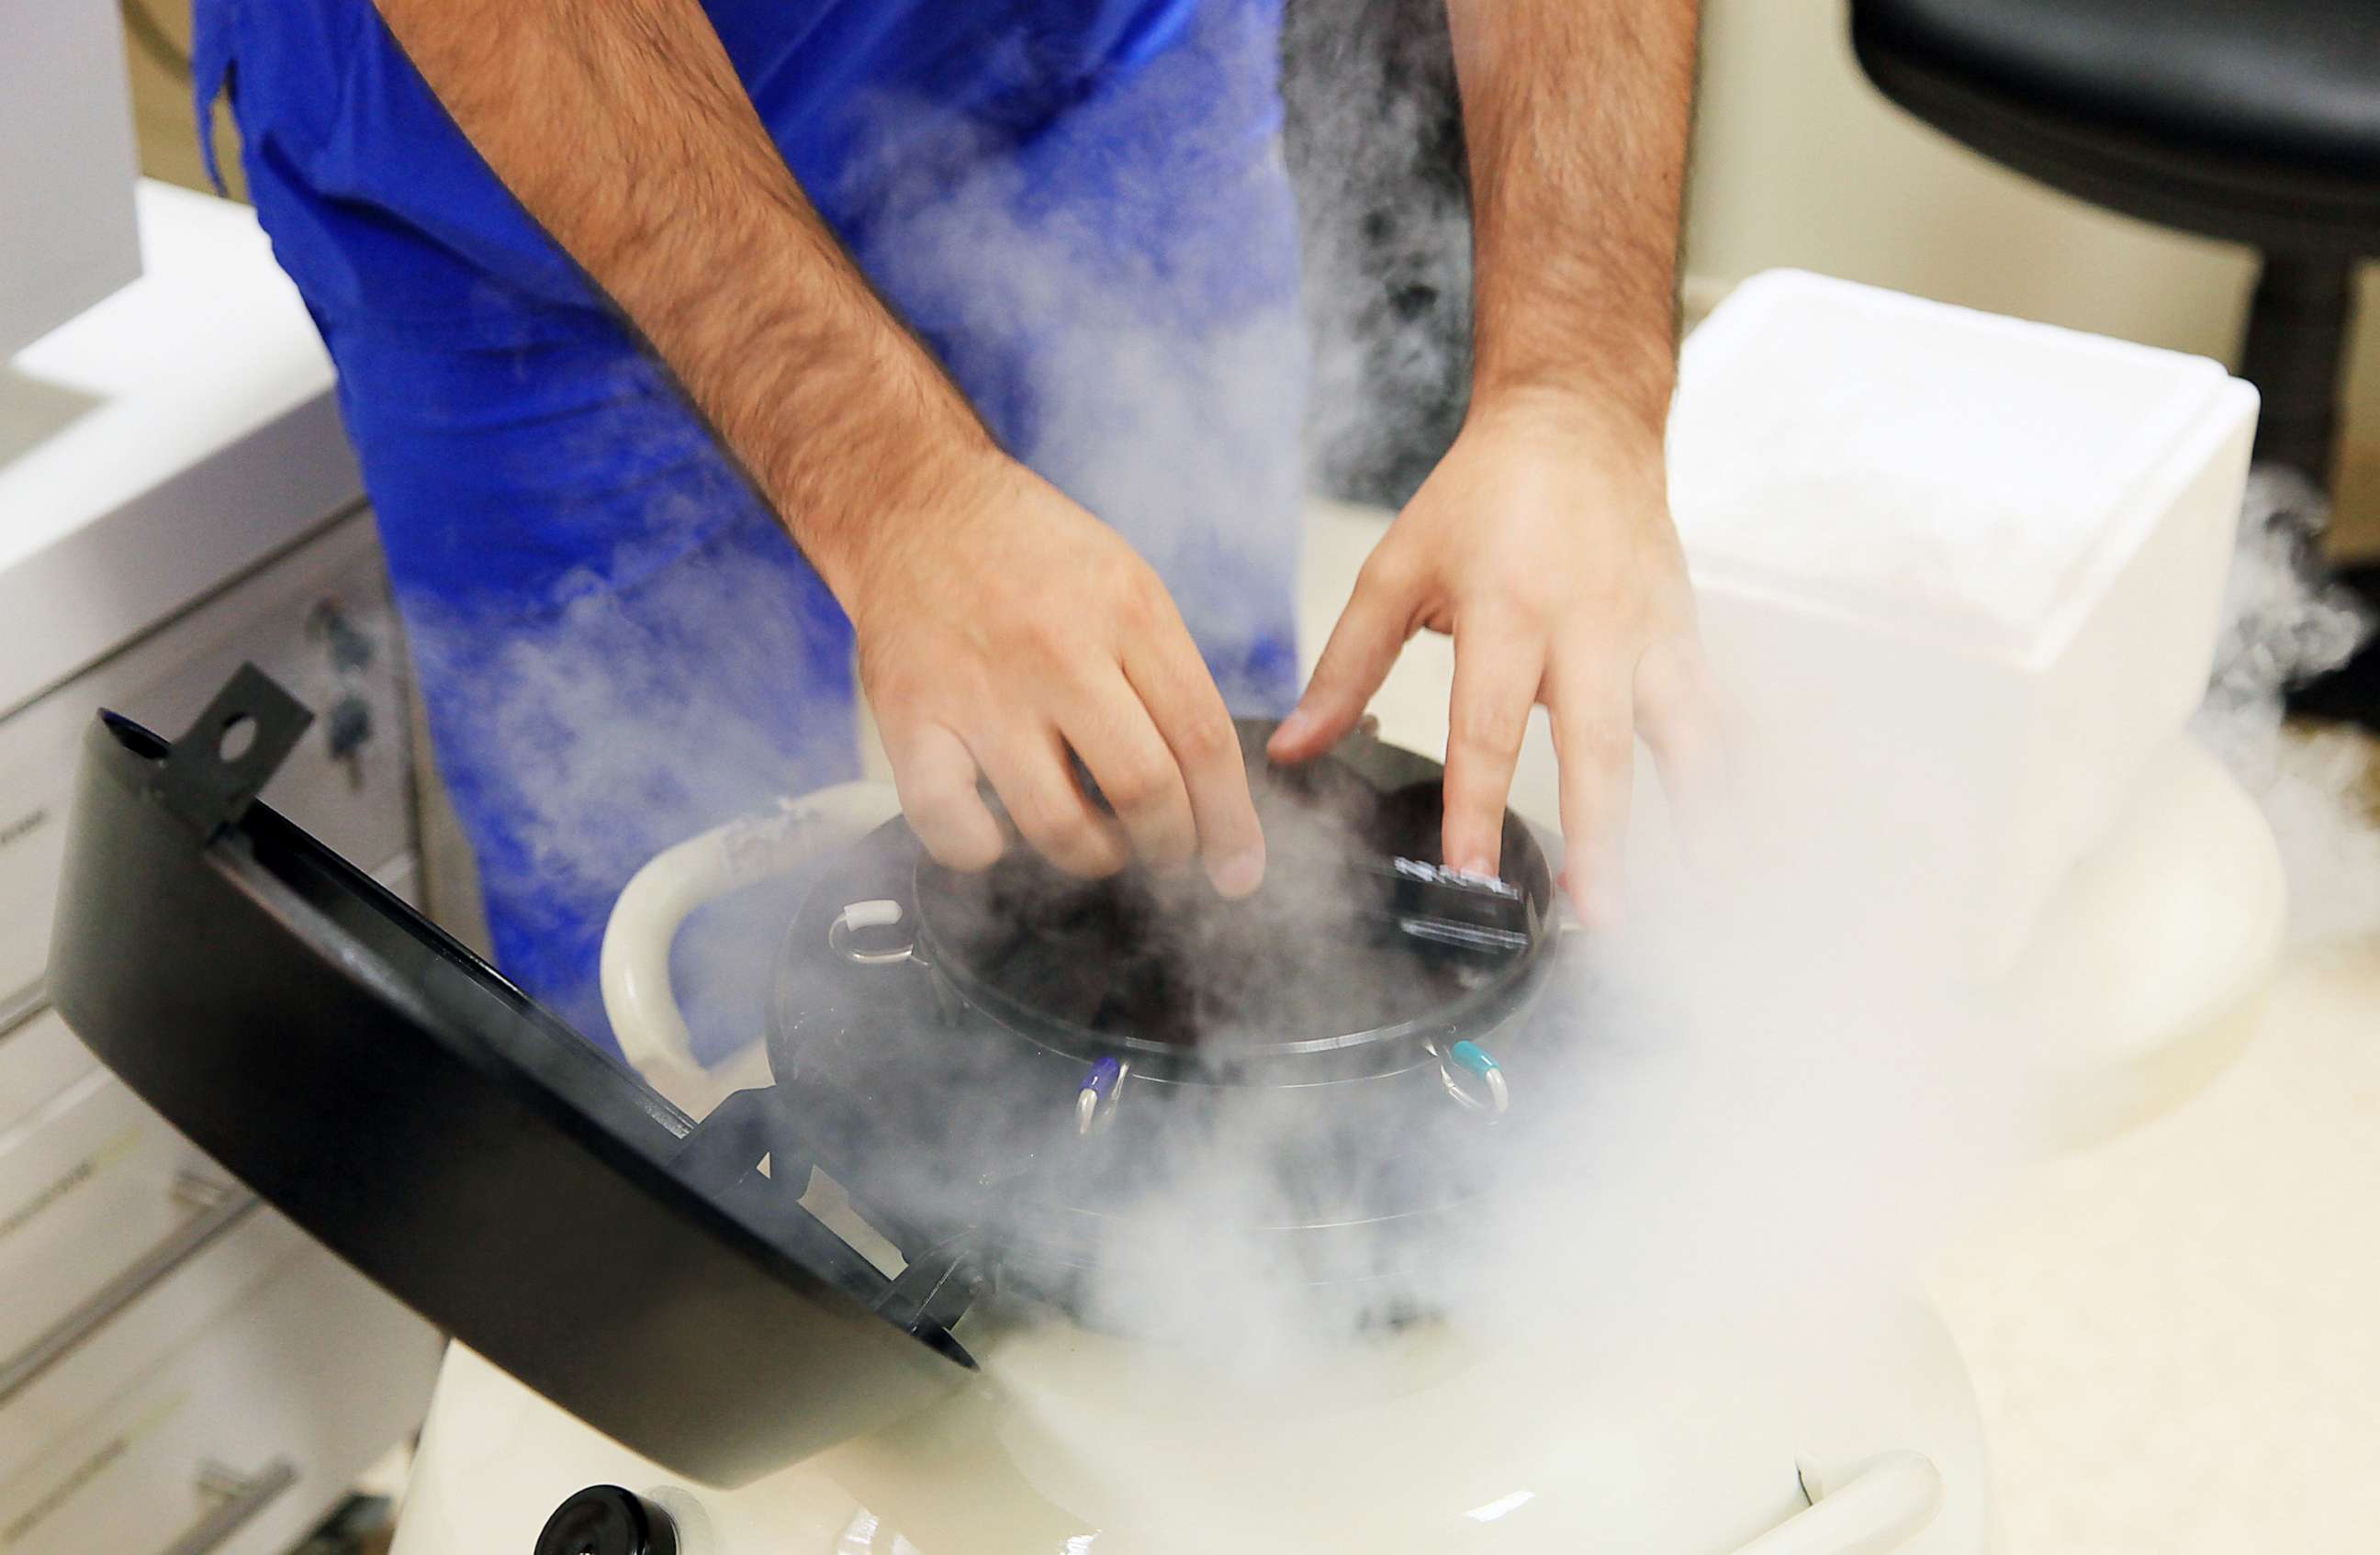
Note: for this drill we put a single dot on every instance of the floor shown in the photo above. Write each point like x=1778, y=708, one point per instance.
x=2173, y=1335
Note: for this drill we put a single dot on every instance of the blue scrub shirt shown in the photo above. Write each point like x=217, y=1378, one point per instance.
x=1079, y=204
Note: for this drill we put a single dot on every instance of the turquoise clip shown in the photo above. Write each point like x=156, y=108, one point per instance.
x=1470, y=1056
x=1473, y=1058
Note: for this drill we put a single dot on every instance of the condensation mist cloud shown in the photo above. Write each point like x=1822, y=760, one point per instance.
x=1772, y=1103
x=2284, y=625
x=1374, y=141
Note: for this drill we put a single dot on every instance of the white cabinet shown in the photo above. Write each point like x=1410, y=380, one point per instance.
x=318, y=619
x=222, y=1416
x=181, y=1371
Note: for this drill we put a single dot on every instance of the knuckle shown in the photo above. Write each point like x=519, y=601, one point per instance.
x=1140, y=787
x=1142, y=592
x=1131, y=589
x=1386, y=571
x=1067, y=835
x=1491, y=726
x=1519, y=587
x=1049, y=638
x=892, y=687
x=962, y=850
x=1207, y=741
x=938, y=812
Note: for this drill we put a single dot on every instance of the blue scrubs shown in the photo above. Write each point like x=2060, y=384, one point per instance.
x=1079, y=204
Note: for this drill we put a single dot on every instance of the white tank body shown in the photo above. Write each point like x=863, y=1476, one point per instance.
x=1432, y=1441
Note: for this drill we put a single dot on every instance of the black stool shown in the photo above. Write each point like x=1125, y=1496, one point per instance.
x=2253, y=120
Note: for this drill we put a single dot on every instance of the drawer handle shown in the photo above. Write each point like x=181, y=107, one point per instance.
x=23, y=1005
x=237, y=1502
x=218, y=1208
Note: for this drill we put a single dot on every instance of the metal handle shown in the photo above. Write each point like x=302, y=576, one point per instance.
x=218, y=1207
x=22, y=1006
x=238, y=1502
x=1879, y=1506
x=863, y=915
x=634, y=967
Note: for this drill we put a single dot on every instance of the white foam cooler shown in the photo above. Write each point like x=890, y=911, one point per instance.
x=1963, y=575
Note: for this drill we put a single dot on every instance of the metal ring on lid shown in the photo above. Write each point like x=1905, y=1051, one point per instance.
x=1474, y=1060
x=880, y=913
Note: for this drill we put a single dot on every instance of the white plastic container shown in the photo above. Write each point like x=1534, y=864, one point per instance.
x=1962, y=573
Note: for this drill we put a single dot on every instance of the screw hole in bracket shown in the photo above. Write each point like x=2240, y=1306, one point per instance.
x=236, y=739
x=230, y=751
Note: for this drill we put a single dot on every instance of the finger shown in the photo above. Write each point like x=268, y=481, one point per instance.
x=1678, y=714
x=936, y=779
x=1497, y=673
x=1189, y=715
x=1362, y=650
x=1594, y=740
x=1028, y=768
x=1136, y=772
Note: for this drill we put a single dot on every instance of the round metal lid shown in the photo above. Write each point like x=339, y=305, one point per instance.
x=1358, y=937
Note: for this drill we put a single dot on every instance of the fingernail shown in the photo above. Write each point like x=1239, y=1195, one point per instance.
x=1476, y=863
x=1294, y=729
x=1238, y=874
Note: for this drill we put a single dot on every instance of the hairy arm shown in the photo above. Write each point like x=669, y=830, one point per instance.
x=1543, y=542
x=1576, y=112
x=622, y=128
x=1004, y=632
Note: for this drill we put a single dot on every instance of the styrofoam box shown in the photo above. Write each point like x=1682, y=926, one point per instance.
x=1962, y=574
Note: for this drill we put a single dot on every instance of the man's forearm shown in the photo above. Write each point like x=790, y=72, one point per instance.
x=621, y=126
x=1576, y=114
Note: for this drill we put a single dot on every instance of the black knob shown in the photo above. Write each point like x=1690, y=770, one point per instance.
x=348, y=727
x=606, y=1520
x=351, y=647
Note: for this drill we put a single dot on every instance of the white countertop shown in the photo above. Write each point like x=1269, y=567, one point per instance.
x=160, y=443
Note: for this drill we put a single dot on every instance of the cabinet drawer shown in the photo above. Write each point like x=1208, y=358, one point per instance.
x=241, y=1437
x=145, y=1474
x=51, y=1399
x=317, y=620
x=95, y=1189
x=38, y=1058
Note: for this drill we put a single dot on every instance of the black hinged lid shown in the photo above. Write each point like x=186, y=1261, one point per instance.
x=421, y=1117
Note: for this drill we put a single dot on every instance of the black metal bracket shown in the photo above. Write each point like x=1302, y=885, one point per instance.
x=723, y=1151
x=216, y=768
x=721, y=1158
x=937, y=1288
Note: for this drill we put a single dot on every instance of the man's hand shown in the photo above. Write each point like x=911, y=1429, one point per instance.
x=1542, y=544
x=1017, y=629
x=1542, y=541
